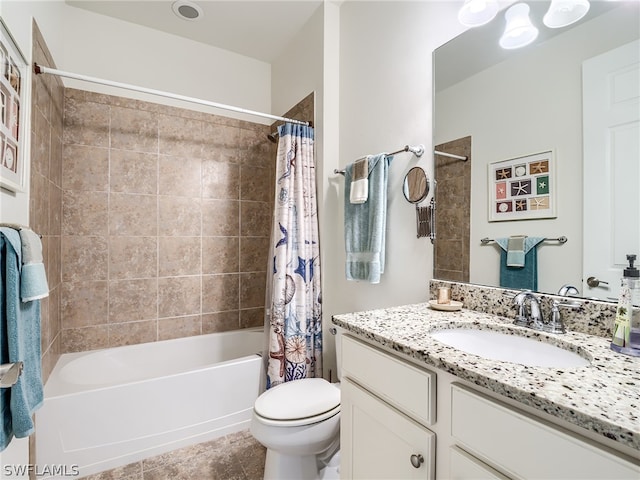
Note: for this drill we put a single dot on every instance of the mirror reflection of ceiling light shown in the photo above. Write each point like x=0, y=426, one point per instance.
x=519, y=30
x=477, y=12
x=565, y=12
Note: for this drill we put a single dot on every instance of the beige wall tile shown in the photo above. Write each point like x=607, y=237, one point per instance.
x=133, y=300
x=84, y=213
x=135, y=130
x=41, y=141
x=179, y=256
x=83, y=304
x=254, y=253
x=256, y=184
x=179, y=176
x=178, y=296
x=220, y=217
x=179, y=216
x=55, y=159
x=55, y=209
x=87, y=338
x=133, y=257
x=84, y=258
x=86, y=123
x=132, y=333
x=220, y=293
x=39, y=203
x=251, y=317
x=178, y=327
x=133, y=172
x=220, y=254
x=54, y=261
x=220, y=322
x=252, y=289
x=220, y=180
x=256, y=218
x=180, y=137
x=131, y=214
x=85, y=168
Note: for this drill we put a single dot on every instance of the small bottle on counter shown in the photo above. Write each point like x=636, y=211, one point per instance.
x=626, y=328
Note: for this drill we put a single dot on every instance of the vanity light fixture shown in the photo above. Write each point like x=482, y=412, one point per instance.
x=565, y=12
x=477, y=12
x=187, y=10
x=519, y=30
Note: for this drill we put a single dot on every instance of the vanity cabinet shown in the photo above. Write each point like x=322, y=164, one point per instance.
x=523, y=446
x=389, y=428
x=386, y=406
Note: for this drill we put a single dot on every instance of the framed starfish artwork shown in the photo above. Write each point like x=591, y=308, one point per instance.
x=522, y=188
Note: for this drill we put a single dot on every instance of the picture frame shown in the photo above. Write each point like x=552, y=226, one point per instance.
x=13, y=94
x=522, y=188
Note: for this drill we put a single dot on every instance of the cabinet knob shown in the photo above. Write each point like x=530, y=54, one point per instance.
x=417, y=460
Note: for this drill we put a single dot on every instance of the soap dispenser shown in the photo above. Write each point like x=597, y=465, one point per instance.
x=626, y=329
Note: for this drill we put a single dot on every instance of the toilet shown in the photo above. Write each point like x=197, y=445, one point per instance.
x=299, y=424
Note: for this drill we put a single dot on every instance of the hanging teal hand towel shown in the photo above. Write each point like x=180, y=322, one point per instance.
x=19, y=341
x=365, y=224
x=519, y=277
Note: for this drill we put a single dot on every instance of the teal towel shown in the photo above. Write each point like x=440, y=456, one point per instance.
x=19, y=341
x=525, y=277
x=365, y=224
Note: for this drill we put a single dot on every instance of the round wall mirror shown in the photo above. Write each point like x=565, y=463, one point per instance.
x=416, y=185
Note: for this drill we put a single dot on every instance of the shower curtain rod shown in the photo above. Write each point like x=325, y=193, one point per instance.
x=451, y=155
x=39, y=69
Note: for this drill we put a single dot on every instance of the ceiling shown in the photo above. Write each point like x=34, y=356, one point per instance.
x=259, y=29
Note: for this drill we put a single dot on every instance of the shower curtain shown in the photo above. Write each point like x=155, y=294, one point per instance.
x=293, y=311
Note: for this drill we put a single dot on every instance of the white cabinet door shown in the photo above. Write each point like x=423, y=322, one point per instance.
x=463, y=466
x=611, y=141
x=378, y=442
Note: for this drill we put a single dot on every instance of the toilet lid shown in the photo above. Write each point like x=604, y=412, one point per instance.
x=303, y=398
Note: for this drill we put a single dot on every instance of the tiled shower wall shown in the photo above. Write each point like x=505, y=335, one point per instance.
x=453, y=200
x=45, y=208
x=165, y=222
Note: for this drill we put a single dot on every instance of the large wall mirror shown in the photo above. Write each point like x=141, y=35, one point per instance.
x=515, y=103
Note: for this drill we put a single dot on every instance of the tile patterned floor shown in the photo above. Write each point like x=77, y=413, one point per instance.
x=236, y=456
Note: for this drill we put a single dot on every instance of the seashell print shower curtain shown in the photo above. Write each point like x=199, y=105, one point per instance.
x=294, y=299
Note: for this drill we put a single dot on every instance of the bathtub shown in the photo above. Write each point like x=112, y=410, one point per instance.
x=107, y=408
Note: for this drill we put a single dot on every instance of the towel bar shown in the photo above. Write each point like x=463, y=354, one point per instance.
x=562, y=240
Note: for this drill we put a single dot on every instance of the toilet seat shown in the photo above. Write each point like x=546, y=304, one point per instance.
x=300, y=402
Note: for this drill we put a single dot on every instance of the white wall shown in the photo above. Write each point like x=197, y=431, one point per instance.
x=513, y=124
x=386, y=103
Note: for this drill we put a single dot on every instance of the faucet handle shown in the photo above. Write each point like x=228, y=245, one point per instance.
x=556, y=325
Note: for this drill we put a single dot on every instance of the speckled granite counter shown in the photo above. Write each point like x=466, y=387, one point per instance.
x=603, y=397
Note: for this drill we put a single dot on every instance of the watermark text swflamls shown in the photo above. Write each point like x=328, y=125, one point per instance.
x=24, y=470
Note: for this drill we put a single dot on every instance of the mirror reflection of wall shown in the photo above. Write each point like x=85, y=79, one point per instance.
x=416, y=185
x=529, y=102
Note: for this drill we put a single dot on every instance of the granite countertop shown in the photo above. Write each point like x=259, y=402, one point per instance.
x=603, y=397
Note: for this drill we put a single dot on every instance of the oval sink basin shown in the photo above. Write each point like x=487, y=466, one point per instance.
x=509, y=348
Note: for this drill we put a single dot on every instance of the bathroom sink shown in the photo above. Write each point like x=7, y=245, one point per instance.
x=494, y=345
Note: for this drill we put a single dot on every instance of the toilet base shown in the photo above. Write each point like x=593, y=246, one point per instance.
x=290, y=467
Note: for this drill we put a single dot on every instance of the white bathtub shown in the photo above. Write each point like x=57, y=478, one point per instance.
x=111, y=407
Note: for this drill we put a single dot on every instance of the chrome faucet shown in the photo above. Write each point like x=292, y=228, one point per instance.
x=534, y=318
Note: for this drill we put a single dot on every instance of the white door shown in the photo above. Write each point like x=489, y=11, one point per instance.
x=611, y=145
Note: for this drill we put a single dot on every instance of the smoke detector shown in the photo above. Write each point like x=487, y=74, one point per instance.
x=187, y=10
